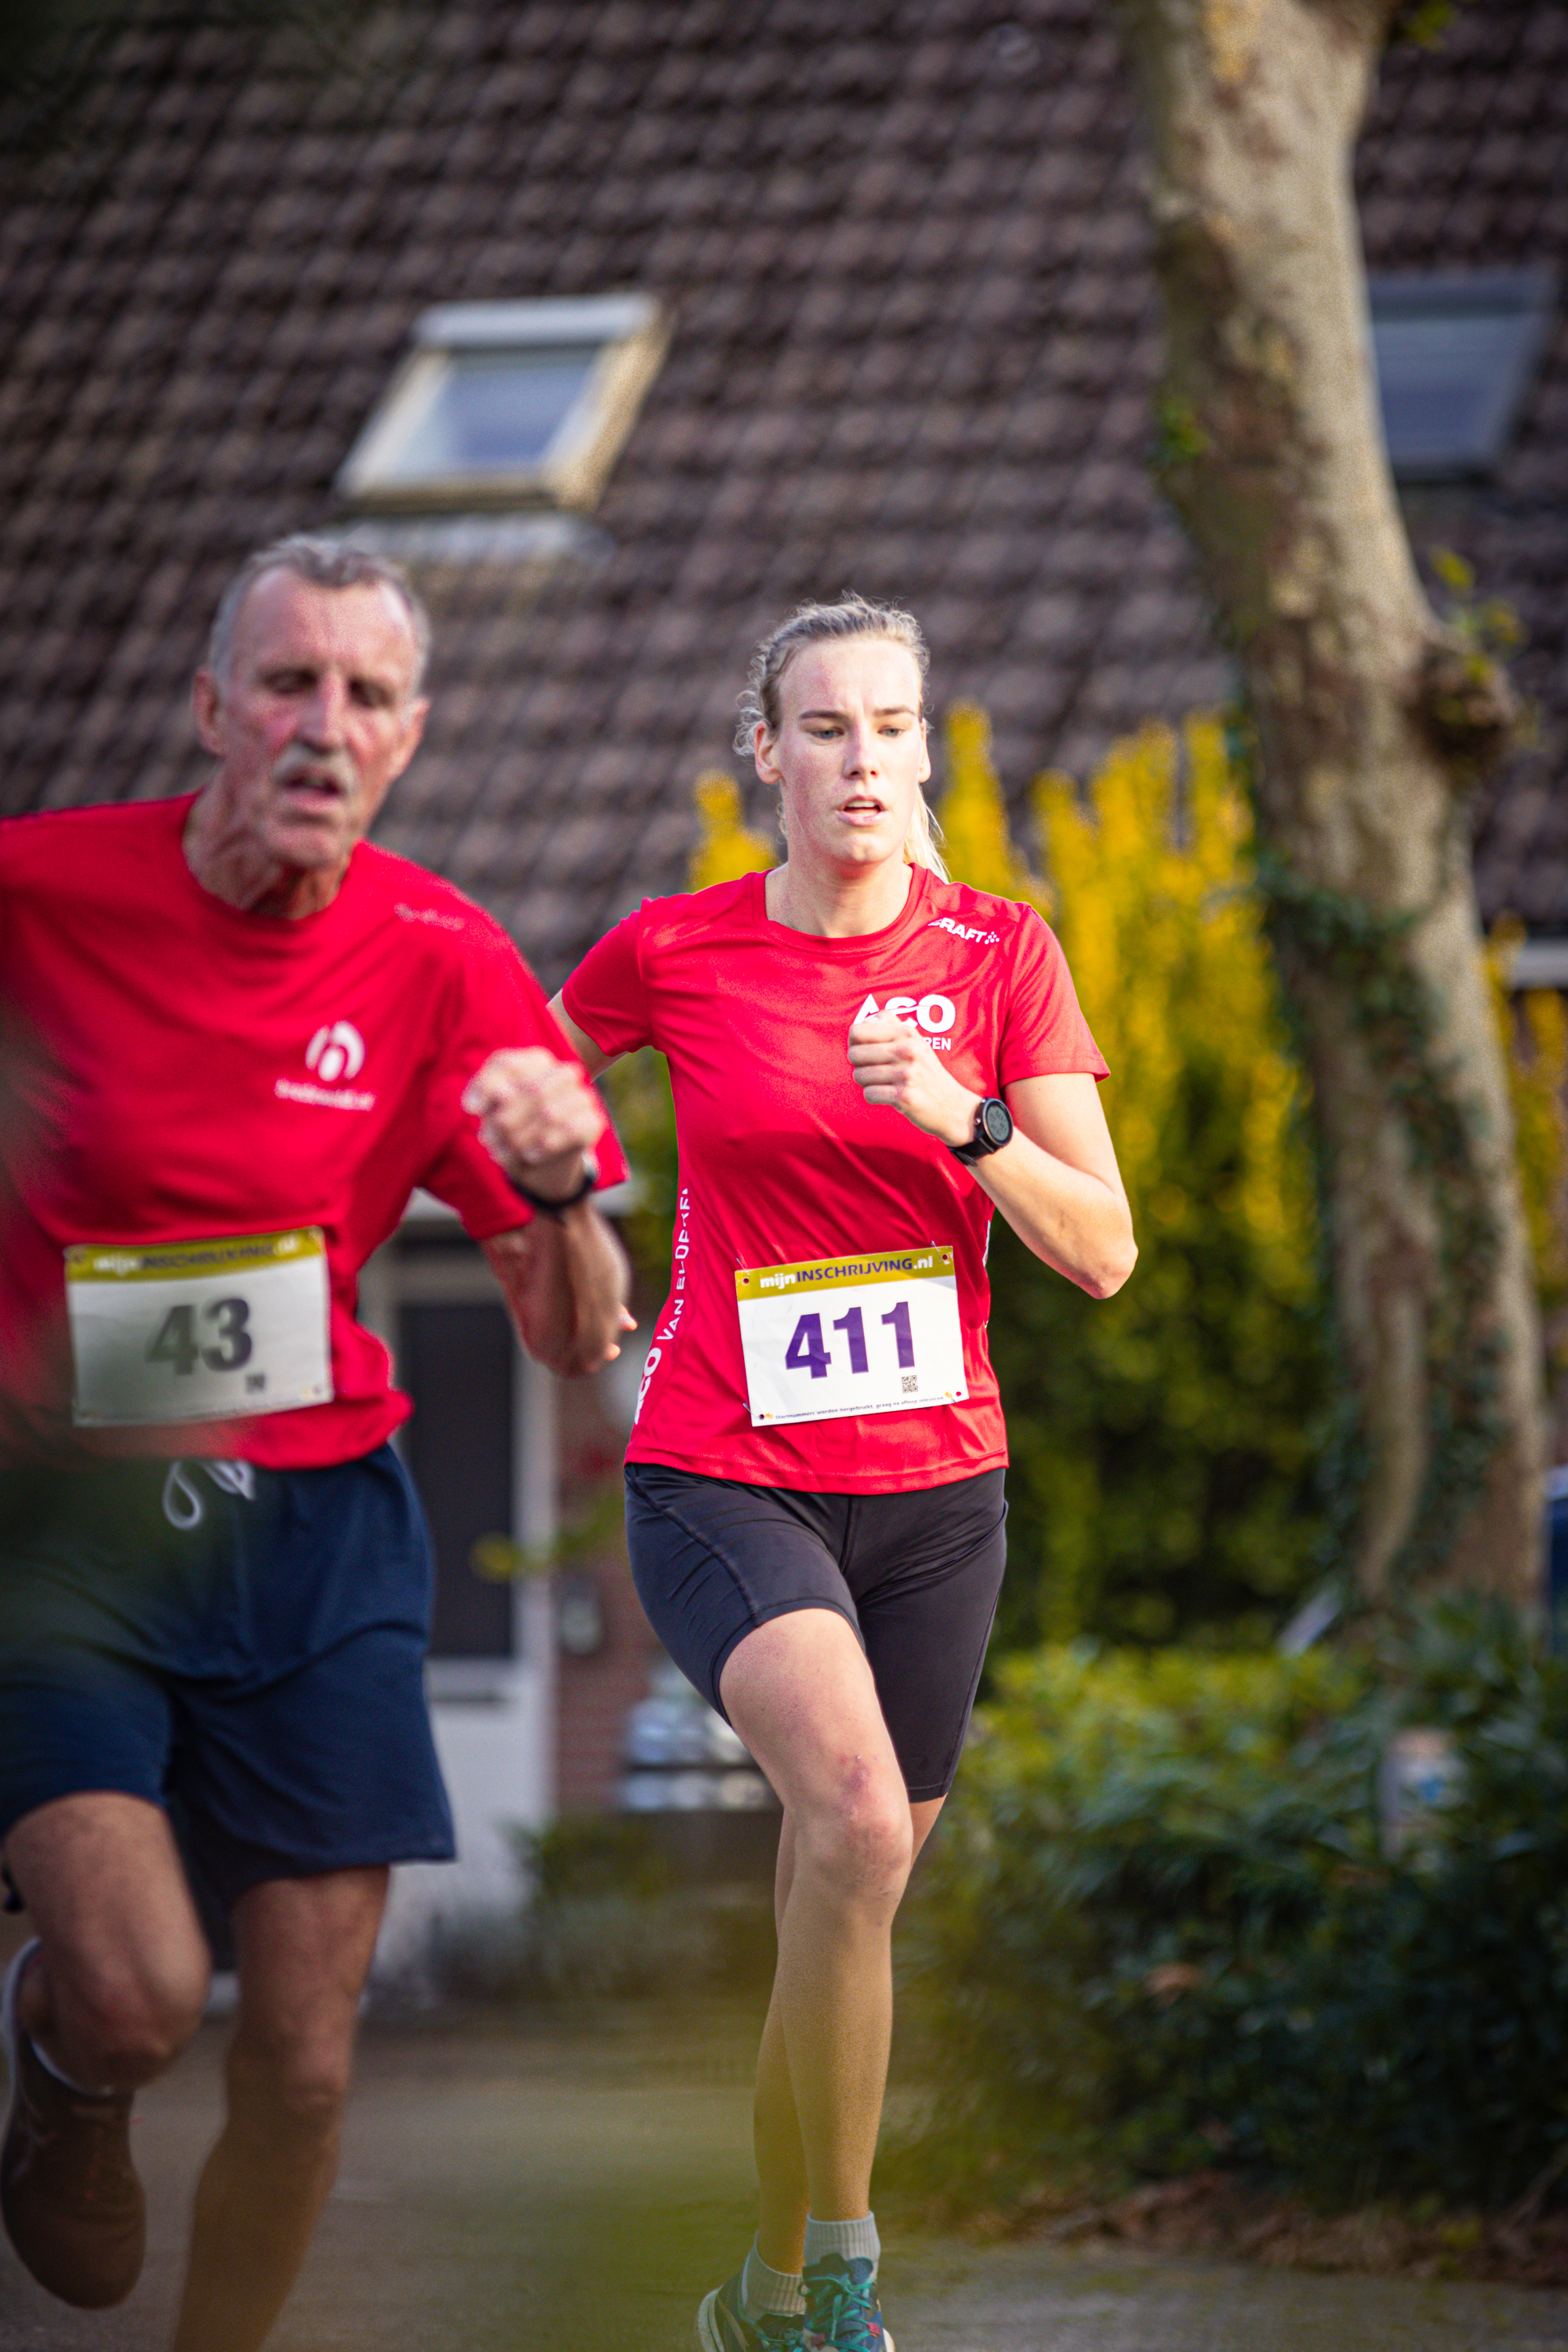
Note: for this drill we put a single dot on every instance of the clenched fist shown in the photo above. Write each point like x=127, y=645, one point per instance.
x=538, y=1115
x=894, y=1065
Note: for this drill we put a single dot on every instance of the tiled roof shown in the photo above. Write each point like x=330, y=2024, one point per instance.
x=914, y=335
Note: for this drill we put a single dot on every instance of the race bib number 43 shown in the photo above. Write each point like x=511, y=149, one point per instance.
x=846, y=1335
x=198, y=1331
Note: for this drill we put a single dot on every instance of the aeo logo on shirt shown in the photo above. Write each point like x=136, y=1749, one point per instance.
x=336, y=1051
x=935, y=1014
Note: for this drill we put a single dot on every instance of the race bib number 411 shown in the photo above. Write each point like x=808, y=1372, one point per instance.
x=847, y=1335
x=198, y=1331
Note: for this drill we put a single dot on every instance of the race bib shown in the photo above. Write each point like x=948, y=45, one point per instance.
x=198, y=1331
x=847, y=1335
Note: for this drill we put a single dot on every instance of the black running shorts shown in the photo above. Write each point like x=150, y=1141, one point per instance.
x=916, y=1575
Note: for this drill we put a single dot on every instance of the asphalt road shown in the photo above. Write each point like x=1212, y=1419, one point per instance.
x=578, y=2192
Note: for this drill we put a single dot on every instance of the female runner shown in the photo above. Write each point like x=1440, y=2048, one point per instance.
x=867, y=1060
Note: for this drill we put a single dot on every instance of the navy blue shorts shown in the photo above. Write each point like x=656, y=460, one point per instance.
x=242, y=1646
x=917, y=1576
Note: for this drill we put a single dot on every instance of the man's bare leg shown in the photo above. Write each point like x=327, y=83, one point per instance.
x=107, y=1996
x=305, y=1947
x=118, y=1990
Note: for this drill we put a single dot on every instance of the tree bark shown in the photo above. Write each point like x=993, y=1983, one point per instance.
x=1367, y=723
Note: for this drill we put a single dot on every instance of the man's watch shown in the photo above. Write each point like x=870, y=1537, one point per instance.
x=557, y=1209
x=993, y=1129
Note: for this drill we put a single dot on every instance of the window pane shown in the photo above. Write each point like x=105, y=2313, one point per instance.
x=491, y=413
x=1455, y=352
x=1445, y=384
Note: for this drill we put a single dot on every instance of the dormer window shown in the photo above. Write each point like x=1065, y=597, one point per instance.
x=1456, y=352
x=508, y=404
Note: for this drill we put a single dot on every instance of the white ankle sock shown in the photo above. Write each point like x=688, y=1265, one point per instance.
x=847, y=2238
x=26, y=1960
x=764, y=2289
x=49, y=2067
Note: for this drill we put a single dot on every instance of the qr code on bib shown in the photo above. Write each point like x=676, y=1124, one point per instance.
x=911, y=1382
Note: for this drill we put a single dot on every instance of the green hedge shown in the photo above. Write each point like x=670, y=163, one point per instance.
x=1157, y=1929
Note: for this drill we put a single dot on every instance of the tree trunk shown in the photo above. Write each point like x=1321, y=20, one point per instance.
x=1365, y=723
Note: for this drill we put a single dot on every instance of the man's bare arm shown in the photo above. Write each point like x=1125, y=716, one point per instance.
x=566, y=1282
x=566, y=1277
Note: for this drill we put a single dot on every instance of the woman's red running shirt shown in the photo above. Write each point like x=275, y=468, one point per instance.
x=783, y=1161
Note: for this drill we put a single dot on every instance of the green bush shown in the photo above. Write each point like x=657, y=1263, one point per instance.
x=1158, y=1929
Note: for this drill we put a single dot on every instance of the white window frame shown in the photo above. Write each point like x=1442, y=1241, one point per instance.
x=633, y=334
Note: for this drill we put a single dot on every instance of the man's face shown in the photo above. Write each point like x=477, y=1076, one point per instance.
x=316, y=719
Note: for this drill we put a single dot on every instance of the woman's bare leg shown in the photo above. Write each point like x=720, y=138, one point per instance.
x=800, y=1694
x=783, y=2197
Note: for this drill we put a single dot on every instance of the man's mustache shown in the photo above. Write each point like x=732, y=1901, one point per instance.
x=300, y=759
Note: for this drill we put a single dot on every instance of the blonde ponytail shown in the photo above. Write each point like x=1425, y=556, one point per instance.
x=921, y=841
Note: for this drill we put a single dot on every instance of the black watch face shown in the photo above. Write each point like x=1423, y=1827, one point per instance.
x=995, y=1122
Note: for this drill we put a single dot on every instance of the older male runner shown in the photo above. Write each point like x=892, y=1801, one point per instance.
x=236, y=1036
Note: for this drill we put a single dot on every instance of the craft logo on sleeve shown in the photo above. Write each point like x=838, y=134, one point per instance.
x=964, y=931
x=336, y=1051
x=932, y=1014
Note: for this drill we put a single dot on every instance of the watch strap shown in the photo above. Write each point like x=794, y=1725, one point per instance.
x=980, y=1145
x=557, y=1209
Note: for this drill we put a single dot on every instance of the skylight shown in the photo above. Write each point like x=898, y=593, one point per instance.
x=1455, y=355
x=508, y=404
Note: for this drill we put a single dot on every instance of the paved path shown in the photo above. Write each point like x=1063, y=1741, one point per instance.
x=502, y=2192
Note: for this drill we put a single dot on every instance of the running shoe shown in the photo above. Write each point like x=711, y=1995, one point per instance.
x=722, y=2325
x=72, y=2205
x=843, y=2313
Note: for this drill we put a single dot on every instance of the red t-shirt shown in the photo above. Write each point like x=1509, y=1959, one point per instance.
x=182, y=1071
x=783, y=1161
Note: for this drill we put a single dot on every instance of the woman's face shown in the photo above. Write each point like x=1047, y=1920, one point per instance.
x=850, y=751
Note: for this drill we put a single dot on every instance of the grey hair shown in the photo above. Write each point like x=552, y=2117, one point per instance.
x=813, y=623
x=326, y=563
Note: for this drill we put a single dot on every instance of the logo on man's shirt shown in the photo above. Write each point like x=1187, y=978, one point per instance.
x=932, y=1014
x=336, y=1051
x=428, y=915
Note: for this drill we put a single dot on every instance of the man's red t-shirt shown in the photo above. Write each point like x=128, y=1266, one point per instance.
x=180, y=1070
x=783, y=1161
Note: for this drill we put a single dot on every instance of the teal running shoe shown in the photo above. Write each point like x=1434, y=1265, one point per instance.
x=843, y=2311
x=722, y=2325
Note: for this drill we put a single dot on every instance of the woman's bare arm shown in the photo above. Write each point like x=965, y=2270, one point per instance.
x=1057, y=1183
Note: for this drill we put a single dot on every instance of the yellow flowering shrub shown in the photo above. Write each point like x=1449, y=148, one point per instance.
x=1536, y=1036
x=728, y=847
x=1163, y=1440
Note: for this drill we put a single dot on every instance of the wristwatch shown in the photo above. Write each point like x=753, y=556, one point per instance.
x=993, y=1129
x=557, y=1209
